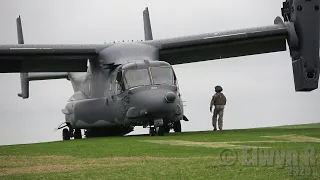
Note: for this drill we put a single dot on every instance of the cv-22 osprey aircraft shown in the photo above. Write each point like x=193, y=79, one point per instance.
x=118, y=86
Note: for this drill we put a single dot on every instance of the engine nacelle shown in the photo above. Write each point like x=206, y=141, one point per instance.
x=302, y=19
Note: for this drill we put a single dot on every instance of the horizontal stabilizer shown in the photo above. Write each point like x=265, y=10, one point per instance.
x=27, y=77
x=47, y=76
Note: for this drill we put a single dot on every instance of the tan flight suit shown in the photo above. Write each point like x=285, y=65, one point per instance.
x=219, y=101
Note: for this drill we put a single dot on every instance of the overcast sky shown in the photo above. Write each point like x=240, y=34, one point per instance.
x=259, y=88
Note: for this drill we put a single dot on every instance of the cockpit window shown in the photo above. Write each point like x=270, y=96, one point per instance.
x=137, y=77
x=162, y=75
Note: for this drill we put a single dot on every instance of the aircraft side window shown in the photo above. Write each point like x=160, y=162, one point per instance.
x=119, y=85
x=175, y=80
x=118, y=88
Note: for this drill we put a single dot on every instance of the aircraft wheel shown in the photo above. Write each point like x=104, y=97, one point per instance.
x=152, y=131
x=77, y=134
x=166, y=128
x=177, y=126
x=160, y=131
x=65, y=134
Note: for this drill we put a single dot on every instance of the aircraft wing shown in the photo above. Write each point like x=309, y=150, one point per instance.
x=241, y=42
x=47, y=58
x=300, y=30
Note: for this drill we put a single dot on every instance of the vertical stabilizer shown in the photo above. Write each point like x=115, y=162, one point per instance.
x=19, y=31
x=24, y=75
x=147, y=25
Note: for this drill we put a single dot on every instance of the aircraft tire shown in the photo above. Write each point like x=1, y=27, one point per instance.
x=152, y=131
x=166, y=128
x=160, y=131
x=65, y=134
x=177, y=126
x=77, y=134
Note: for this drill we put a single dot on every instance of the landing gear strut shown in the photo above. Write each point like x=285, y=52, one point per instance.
x=158, y=128
x=153, y=131
x=68, y=132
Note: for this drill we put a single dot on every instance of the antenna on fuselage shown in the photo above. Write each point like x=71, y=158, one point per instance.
x=147, y=25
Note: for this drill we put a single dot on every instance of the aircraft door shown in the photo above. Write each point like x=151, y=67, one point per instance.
x=117, y=85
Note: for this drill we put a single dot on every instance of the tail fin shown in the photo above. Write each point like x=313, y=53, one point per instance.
x=147, y=25
x=19, y=31
x=26, y=77
x=24, y=85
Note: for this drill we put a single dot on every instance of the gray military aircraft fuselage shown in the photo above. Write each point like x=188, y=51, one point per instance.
x=133, y=84
x=141, y=92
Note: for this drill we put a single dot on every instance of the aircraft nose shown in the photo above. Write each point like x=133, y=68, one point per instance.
x=170, y=97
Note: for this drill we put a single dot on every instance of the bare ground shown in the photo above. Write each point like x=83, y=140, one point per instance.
x=42, y=164
x=295, y=138
x=237, y=144
x=200, y=144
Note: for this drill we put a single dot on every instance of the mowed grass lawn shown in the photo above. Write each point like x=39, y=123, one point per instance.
x=262, y=153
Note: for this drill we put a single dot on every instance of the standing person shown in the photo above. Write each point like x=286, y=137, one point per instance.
x=219, y=101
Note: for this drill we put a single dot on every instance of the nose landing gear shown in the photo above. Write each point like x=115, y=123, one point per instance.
x=158, y=128
x=156, y=131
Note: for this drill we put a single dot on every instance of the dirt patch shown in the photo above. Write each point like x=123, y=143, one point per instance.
x=42, y=164
x=295, y=138
x=54, y=157
x=200, y=144
x=32, y=160
x=53, y=168
x=238, y=144
x=146, y=158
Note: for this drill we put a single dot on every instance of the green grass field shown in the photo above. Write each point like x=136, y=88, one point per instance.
x=288, y=152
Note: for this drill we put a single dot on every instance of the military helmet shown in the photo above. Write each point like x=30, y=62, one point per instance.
x=218, y=88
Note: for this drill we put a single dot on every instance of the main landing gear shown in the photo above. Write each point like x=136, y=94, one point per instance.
x=156, y=131
x=68, y=132
x=160, y=128
x=177, y=126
